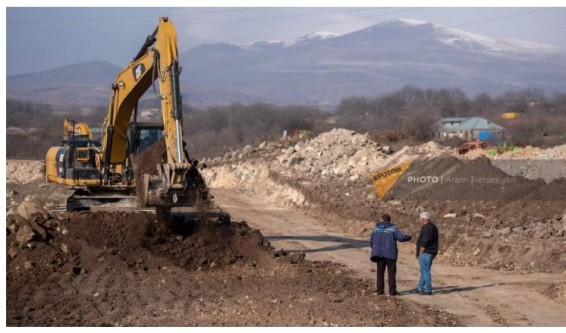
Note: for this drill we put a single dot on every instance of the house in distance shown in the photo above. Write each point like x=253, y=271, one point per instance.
x=469, y=128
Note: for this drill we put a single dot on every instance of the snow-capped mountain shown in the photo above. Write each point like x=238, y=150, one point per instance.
x=268, y=44
x=323, y=67
x=315, y=37
x=279, y=44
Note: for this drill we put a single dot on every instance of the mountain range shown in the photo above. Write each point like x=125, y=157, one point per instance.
x=322, y=67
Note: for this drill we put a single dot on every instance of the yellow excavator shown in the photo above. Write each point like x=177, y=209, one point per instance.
x=76, y=131
x=103, y=174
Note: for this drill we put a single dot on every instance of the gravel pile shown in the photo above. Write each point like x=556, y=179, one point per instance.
x=338, y=153
x=24, y=171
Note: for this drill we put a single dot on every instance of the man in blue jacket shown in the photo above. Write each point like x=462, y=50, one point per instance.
x=384, y=252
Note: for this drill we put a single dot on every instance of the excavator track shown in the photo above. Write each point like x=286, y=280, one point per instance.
x=57, y=201
x=64, y=200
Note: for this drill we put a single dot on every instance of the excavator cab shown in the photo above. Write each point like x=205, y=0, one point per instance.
x=142, y=135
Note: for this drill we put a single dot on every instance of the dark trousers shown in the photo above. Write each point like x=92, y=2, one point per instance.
x=391, y=271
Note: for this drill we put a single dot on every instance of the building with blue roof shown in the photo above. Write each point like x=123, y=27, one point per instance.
x=469, y=129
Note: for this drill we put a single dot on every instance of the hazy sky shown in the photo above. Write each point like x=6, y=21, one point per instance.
x=45, y=38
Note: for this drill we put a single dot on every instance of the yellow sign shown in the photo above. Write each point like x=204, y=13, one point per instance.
x=384, y=179
x=509, y=115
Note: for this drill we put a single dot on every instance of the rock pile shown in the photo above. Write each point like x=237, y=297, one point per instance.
x=31, y=206
x=525, y=153
x=263, y=149
x=534, y=163
x=557, y=153
x=24, y=171
x=537, y=230
x=339, y=153
x=510, y=245
x=25, y=233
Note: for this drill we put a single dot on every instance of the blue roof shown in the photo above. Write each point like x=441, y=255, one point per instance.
x=467, y=124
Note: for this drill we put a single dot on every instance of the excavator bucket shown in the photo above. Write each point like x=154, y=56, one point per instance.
x=156, y=191
x=161, y=185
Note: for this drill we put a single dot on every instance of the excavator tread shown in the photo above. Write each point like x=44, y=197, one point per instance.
x=65, y=199
x=57, y=201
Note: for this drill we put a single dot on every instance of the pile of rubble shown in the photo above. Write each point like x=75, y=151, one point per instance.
x=281, y=171
x=528, y=162
x=515, y=245
x=339, y=154
x=253, y=177
x=525, y=153
x=24, y=171
x=30, y=224
x=546, y=229
x=263, y=149
x=558, y=153
x=24, y=206
x=533, y=163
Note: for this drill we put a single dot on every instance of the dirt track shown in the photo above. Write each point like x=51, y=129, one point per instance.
x=481, y=297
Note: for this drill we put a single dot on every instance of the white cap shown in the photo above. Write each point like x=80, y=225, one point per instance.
x=425, y=216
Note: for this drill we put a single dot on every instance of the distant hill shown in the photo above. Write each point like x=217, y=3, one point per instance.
x=82, y=83
x=85, y=73
x=321, y=68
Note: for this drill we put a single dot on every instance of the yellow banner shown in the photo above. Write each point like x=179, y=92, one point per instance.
x=384, y=179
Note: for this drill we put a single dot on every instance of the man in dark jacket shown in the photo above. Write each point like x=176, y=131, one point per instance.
x=384, y=252
x=427, y=248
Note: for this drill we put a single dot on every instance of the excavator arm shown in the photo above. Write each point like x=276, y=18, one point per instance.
x=155, y=63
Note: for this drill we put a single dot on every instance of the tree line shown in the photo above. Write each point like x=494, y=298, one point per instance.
x=406, y=114
x=411, y=111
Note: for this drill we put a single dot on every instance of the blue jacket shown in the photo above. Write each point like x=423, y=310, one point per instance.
x=384, y=239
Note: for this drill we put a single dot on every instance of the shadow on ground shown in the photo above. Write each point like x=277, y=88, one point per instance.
x=447, y=290
x=343, y=242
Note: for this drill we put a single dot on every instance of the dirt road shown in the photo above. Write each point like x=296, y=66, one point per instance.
x=481, y=297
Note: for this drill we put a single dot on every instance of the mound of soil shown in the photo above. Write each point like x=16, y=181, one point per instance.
x=45, y=272
x=143, y=240
x=449, y=178
x=134, y=269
